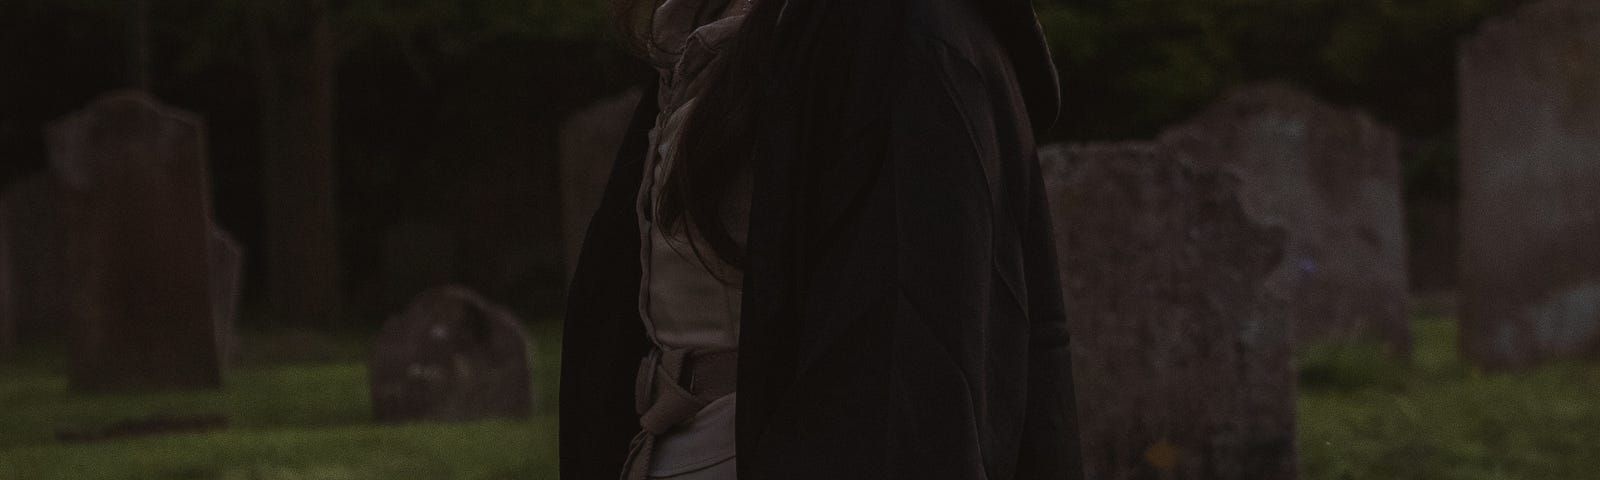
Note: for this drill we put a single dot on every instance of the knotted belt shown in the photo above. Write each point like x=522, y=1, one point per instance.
x=672, y=386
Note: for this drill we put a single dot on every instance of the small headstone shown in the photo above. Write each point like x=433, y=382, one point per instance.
x=451, y=356
x=1330, y=178
x=227, y=281
x=33, y=236
x=1530, y=186
x=135, y=211
x=589, y=143
x=1181, y=356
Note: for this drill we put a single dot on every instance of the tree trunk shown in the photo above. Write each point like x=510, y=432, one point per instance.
x=139, y=44
x=295, y=54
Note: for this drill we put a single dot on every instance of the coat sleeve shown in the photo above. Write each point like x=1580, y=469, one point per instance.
x=903, y=316
x=981, y=355
x=603, y=337
x=1051, y=447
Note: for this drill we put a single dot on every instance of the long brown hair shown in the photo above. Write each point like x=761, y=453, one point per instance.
x=717, y=144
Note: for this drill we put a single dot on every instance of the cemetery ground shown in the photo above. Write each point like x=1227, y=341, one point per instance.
x=297, y=408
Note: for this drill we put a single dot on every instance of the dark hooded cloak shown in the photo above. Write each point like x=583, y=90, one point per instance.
x=902, y=315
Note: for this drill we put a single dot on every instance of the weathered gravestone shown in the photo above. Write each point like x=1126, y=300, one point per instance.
x=134, y=208
x=589, y=143
x=451, y=356
x=1181, y=357
x=1530, y=186
x=33, y=240
x=226, y=259
x=1331, y=179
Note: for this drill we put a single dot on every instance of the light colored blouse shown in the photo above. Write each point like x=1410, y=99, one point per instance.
x=684, y=302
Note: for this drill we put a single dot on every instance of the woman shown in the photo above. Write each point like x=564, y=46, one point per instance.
x=824, y=252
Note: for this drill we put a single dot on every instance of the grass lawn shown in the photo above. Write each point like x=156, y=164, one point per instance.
x=1361, y=417
x=297, y=419
x=1365, y=418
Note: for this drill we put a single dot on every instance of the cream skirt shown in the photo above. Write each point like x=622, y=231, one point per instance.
x=700, y=449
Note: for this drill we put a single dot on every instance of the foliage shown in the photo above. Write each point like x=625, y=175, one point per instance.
x=1347, y=366
x=1442, y=420
x=1130, y=67
x=435, y=96
x=202, y=33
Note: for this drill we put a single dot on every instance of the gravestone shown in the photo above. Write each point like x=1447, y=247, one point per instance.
x=1330, y=177
x=134, y=209
x=1530, y=186
x=226, y=261
x=589, y=143
x=451, y=356
x=1181, y=358
x=33, y=237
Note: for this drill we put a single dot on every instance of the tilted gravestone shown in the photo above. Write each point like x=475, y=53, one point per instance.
x=451, y=356
x=1181, y=357
x=1330, y=178
x=589, y=143
x=134, y=208
x=33, y=238
x=1530, y=186
x=226, y=259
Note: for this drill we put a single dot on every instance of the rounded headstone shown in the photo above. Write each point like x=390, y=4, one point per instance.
x=1330, y=177
x=451, y=356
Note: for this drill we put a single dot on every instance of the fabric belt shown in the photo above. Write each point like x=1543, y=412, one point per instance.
x=672, y=386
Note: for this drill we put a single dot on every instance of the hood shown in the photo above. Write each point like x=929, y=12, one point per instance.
x=829, y=35
x=1017, y=26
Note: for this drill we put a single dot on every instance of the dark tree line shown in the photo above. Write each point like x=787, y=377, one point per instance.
x=333, y=120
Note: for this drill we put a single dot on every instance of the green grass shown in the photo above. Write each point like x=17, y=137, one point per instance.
x=486, y=450
x=305, y=416
x=1365, y=418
